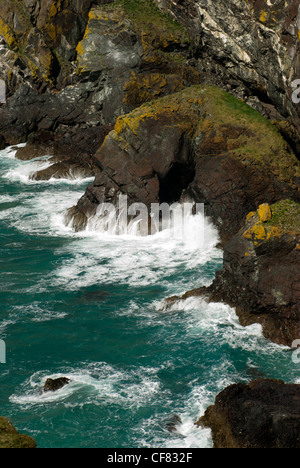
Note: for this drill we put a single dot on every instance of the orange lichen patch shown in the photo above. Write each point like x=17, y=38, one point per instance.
x=258, y=233
x=264, y=212
x=273, y=221
x=80, y=49
x=263, y=16
x=133, y=120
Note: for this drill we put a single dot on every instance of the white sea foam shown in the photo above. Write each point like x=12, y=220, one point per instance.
x=23, y=171
x=129, y=261
x=221, y=319
x=8, y=198
x=94, y=383
x=98, y=257
x=10, y=151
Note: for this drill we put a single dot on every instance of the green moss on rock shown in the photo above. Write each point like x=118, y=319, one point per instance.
x=147, y=17
x=260, y=143
x=286, y=216
x=10, y=438
x=218, y=123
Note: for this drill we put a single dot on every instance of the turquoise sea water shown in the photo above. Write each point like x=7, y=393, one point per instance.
x=90, y=306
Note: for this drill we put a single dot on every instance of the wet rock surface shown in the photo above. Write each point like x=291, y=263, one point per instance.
x=260, y=275
x=263, y=414
x=107, y=89
x=52, y=385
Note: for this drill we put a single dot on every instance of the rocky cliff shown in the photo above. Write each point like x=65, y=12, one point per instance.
x=262, y=414
x=10, y=438
x=260, y=275
x=216, y=150
x=168, y=100
x=252, y=47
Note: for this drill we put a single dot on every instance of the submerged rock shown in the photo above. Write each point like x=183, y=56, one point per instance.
x=263, y=414
x=52, y=385
x=173, y=422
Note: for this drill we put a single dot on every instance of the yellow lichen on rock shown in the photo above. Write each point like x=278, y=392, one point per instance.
x=256, y=232
x=250, y=215
x=263, y=16
x=264, y=212
x=7, y=33
x=148, y=86
x=271, y=221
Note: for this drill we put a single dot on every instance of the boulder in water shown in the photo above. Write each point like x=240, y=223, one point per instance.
x=173, y=422
x=52, y=385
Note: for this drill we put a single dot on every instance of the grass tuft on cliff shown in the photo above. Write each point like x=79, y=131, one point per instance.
x=286, y=216
x=219, y=123
x=147, y=17
x=267, y=147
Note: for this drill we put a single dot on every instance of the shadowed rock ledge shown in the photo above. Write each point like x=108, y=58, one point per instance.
x=263, y=414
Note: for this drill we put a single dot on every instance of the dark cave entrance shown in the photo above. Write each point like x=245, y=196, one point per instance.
x=175, y=181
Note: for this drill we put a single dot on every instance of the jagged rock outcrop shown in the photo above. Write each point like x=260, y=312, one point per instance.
x=108, y=60
x=124, y=56
x=260, y=275
x=215, y=149
x=250, y=47
x=10, y=437
x=42, y=37
x=71, y=152
x=263, y=414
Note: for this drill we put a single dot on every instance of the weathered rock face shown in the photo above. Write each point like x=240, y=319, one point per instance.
x=251, y=46
x=262, y=414
x=260, y=275
x=43, y=36
x=103, y=62
x=10, y=438
x=214, y=148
